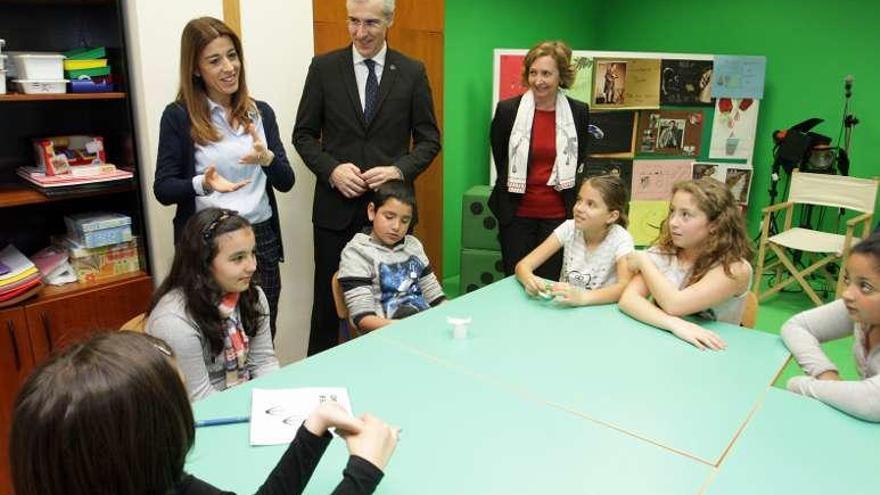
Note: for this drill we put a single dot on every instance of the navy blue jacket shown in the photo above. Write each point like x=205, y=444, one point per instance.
x=176, y=165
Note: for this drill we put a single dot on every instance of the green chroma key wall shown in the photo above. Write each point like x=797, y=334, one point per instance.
x=810, y=47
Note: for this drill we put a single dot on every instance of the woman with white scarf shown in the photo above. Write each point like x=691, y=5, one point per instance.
x=539, y=143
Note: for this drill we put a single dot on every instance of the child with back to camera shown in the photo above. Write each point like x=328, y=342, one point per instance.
x=385, y=274
x=110, y=416
x=595, y=244
x=698, y=266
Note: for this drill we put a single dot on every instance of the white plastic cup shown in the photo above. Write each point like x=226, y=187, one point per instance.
x=459, y=327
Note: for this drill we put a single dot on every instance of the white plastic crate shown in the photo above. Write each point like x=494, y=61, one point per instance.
x=34, y=86
x=39, y=66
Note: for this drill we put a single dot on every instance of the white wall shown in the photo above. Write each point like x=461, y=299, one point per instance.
x=278, y=44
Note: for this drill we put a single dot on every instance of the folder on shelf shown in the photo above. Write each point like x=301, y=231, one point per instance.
x=18, y=264
x=34, y=176
x=84, y=64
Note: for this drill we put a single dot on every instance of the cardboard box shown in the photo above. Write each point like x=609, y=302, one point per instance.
x=56, y=154
x=95, y=264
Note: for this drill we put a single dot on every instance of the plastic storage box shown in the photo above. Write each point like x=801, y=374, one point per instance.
x=34, y=86
x=85, y=84
x=39, y=66
x=93, y=230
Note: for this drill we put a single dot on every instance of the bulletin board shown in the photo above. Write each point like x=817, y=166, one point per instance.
x=663, y=117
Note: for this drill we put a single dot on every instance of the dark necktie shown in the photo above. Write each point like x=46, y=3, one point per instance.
x=371, y=90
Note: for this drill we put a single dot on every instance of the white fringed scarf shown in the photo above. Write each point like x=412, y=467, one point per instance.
x=565, y=165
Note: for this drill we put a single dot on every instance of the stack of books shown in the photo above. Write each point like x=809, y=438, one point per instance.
x=100, y=245
x=102, y=177
x=19, y=277
x=87, y=70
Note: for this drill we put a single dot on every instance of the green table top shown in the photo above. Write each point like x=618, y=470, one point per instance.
x=796, y=444
x=600, y=363
x=461, y=434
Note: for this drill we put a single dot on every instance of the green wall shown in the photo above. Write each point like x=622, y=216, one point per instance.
x=810, y=46
x=473, y=29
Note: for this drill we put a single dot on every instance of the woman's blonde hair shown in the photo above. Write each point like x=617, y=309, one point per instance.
x=197, y=34
x=728, y=243
x=559, y=52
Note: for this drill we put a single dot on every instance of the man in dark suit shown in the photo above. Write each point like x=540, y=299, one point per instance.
x=366, y=117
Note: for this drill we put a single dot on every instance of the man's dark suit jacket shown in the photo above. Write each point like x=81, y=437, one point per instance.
x=330, y=128
x=504, y=203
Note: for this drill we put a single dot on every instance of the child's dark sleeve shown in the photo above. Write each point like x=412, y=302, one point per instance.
x=293, y=471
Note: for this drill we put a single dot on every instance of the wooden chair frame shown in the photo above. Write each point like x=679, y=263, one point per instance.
x=820, y=260
x=342, y=309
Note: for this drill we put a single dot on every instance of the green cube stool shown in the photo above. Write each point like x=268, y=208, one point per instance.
x=479, y=228
x=479, y=268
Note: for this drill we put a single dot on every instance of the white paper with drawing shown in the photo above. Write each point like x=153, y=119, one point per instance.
x=733, y=129
x=277, y=414
x=652, y=180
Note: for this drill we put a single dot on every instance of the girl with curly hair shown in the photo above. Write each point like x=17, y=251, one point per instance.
x=699, y=265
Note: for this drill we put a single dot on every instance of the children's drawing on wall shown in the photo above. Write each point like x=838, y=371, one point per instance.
x=610, y=166
x=670, y=132
x=733, y=128
x=686, y=82
x=610, y=83
x=583, y=80
x=645, y=219
x=735, y=76
x=737, y=177
x=737, y=180
x=616, y=130
x=707, y=170
x=653, y=179
x=510, y=76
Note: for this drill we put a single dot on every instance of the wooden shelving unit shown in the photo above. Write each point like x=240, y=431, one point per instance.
x=15, y=195
x=10, y=97
x=52, y=292
x=32, y=329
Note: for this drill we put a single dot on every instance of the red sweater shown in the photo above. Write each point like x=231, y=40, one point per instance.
x=541, y=200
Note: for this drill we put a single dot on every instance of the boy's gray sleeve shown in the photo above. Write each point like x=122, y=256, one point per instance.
x=261, y=355
x=356, y=277
x=857, y=398
x=804, y=332
x=431, y=288
x=189, y=351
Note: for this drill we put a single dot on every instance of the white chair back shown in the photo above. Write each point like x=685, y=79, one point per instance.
x=837, y=191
